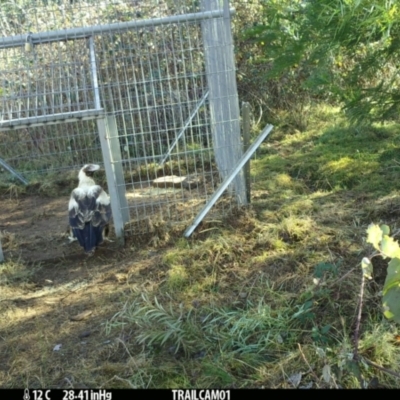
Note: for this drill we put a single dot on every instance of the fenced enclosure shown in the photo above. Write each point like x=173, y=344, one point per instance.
x=146, y=89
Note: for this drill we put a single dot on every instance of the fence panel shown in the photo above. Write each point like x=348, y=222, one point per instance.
x=157, y=79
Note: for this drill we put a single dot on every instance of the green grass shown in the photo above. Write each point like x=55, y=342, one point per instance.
x=331, y=156
x=272, y=291
x=262, y=298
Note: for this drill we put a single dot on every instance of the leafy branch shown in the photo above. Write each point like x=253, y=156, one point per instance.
x=386, y=247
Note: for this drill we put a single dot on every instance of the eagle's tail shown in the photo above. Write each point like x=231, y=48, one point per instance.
x=89, y=237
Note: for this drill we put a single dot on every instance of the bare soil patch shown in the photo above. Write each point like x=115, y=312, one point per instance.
x=35, y=228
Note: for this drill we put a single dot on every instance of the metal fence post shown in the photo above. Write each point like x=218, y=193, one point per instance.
x=113, y=170
x=116, y=159
x=223, y=97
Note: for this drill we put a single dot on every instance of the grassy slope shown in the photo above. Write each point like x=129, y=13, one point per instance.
x=247, y=302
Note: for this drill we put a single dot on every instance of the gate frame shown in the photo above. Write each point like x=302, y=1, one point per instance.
x=225, y=116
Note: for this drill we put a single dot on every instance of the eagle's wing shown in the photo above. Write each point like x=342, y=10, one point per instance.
x=90, y=204
x=102, y=214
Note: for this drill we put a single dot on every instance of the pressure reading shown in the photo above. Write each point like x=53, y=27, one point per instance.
x=86, y=395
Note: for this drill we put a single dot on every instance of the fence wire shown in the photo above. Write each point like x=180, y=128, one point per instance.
x=152, y=79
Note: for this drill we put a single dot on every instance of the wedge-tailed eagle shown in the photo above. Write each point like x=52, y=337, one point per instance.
x=89, y=210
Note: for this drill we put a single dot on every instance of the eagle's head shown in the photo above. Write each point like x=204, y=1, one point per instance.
x=88, y=170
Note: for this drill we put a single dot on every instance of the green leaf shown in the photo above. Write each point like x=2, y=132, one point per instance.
x=393, y=275
x=353, y=368
x=385, y=229
x=374, y=235
x=389, y=247
x=322, y=268
x=325, y=329
x=366, y=266
x=391, y=303
x=326, y=373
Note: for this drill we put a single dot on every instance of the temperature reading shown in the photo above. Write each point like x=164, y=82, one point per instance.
x=41, y=395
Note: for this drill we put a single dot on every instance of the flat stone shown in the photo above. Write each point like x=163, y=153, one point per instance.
x=171, y=181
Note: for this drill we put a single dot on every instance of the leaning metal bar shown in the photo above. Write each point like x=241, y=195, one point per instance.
x=1, y=253
x=93, y=74
x=81, y=33
x=246, y=144
x=13, y=172
x=50, y=119
x=217, y=194
x=187, y=122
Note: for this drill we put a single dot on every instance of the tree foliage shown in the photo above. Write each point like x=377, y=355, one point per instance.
x=347, y=49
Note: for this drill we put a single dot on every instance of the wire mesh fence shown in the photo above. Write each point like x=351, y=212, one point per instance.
x=160, y=73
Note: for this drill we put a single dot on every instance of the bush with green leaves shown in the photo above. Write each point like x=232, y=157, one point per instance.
x=385, y=247
x=346, y=50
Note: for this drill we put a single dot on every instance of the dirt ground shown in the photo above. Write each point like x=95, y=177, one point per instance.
x=51, y=294
x=36, y=228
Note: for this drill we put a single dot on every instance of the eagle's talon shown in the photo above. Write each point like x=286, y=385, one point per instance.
x=71, y=239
